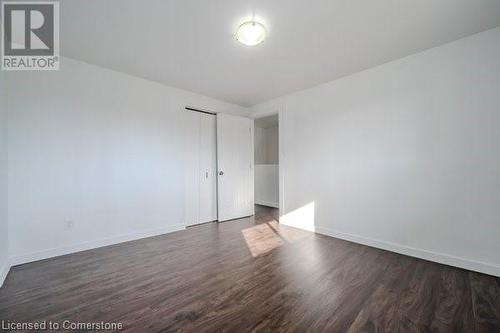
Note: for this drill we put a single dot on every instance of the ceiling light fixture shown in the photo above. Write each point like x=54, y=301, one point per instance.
x=251, y=33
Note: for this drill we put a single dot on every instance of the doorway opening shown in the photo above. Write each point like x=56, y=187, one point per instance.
x=266, y=158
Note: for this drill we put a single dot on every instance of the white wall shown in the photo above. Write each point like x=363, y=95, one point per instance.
x=266, y=165
x=404, y=156
x=267, y=185
x=4, y=263
x=98, y=148
x=266, y=145
x=260, y=151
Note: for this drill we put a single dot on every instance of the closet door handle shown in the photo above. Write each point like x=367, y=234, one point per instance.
x=221, y=173
x=206, y=174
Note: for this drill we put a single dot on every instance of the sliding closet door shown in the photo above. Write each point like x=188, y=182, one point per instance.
x=200, y=168
x=191, y=167
x=208, y=162
x=235, y=162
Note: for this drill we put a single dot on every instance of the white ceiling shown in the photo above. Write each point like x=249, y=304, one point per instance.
x=189, y=44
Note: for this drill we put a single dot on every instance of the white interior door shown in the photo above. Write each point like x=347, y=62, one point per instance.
x=200, y=168
x=191, y=167
x=235, y=164
x=208, y=172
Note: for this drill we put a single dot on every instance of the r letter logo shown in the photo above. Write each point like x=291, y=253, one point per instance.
x=30, y=38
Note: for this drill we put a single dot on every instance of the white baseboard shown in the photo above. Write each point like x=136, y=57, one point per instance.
x=4, y=270
x=266, y=203
x=59, y=251
x=446, y=259
x=441, y=258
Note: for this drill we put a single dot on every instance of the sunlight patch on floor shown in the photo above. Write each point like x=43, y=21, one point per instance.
x=265, y=237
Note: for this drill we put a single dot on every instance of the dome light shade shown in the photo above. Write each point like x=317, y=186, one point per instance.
x=251, y=33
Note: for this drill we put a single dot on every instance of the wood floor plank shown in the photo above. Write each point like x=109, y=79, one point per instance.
x=485, y=292
x=379, y=314
x=453, y=310
x=251, y=275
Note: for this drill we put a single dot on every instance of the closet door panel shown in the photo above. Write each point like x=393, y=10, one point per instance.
x=192, y=168
x=208, y=162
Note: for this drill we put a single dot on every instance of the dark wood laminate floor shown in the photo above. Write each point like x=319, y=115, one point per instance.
x=252, y=275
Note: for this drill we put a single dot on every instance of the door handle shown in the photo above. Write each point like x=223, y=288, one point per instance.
x=206, y=174
x=221, y=173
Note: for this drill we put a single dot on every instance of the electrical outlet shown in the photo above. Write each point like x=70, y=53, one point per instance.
x=69, y=224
